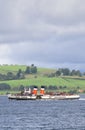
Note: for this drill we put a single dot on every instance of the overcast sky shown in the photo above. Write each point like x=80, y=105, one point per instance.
x=47, y=33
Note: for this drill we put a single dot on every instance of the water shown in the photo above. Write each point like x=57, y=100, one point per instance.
x=42, y=115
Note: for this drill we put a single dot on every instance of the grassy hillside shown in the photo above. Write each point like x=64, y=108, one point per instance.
x=69, y=82
x=14, y=68
x=11, y=68
x=41, y=79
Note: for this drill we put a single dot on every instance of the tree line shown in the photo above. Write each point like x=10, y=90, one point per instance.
x=33, y=70
x=19, y=74
x=50, y=88
x=66, y=72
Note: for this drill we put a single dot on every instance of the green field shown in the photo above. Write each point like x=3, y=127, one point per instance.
x=40, y=78
x=71, y=83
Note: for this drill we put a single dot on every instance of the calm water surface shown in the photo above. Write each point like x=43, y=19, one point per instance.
x=42, y=115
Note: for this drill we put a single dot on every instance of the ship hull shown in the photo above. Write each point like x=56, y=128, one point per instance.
x=34, y=97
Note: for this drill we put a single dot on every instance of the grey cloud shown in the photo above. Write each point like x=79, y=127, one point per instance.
x=38, y=19
x=55, y=53
x=48, y=54
x=44, y=32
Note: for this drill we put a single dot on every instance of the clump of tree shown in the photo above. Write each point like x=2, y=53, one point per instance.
x=31, y=69
x=11, y=76
x=4, y=86
x=3, y=77
x=19, y=74
x=51, y=75
x=72, y=91
x=67, y=72
x=76, y=73
x=54, y=87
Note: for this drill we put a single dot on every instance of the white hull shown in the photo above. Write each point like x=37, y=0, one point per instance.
x=45, y=97
x=60, y=97
x=33, y=97
x=11, y=96
x=26, y=98
x=72, y=97
x=22, y=97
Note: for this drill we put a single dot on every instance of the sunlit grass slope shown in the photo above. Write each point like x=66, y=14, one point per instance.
x=41, y=79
